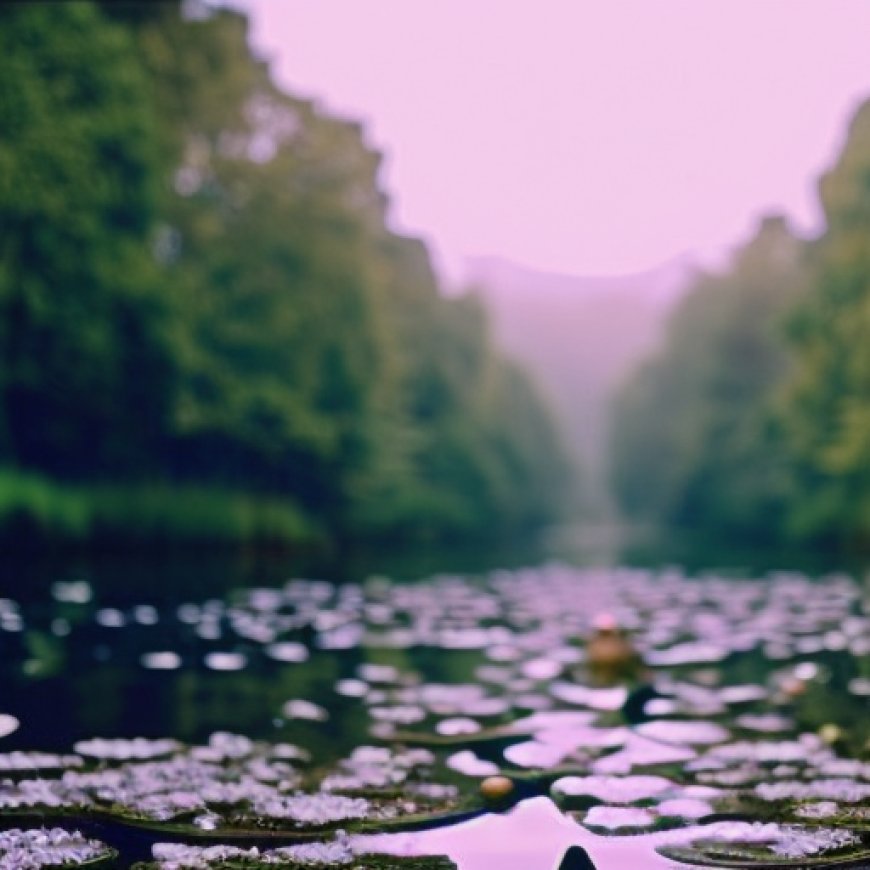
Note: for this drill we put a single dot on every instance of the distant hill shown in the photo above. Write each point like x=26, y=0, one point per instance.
x=578, y=337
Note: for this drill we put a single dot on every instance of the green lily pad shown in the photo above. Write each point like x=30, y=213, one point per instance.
x=53, y=848
x=327, y=855
x=771, y=845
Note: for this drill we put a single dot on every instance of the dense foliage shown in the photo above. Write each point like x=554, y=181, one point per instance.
x=827, y=406
x=693, y=433
x=754, y=417
x=200, y=293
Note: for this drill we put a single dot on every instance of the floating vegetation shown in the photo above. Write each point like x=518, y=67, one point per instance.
x=302, y=709
x=624, y=819
x=465, y=761
x=287, y=651
x=757, y=844
x=458, y=725
x=685, y=808
x=377, y=767
x=8, y=724
x=51, y=847
x=31, y=762
x=678, y=731
x=818, y=810
x=610, y=789
x=639, y=752
x=748, y=805
x=72, y=591
x=235, y=786
x=315, y=810
x=339, y=852
x=768, y=723
x=689, y=653
x=817, y=789
x=536, y=754
x=110, y=617
x=379, y=708
x=161, y=661
x=583, y=696
x=860, y=686
x=138, y=749
x=225, y=661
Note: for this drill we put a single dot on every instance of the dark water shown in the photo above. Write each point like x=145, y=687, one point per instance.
x=66, y=675
x=183, y=646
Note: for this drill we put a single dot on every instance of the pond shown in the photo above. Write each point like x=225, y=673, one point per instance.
x=269, y=716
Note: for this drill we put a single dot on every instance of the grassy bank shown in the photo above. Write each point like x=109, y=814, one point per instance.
x=35, y=509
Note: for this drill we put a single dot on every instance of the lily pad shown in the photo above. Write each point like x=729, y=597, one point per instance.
x=330, y=854
x=771, y=845
x=28, y=849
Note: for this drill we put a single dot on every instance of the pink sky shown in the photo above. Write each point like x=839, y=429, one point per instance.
x=583, y=137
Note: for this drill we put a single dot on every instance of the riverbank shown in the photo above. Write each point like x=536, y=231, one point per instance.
x=35, y=511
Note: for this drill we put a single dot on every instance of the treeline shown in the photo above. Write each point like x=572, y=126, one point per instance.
x=207, y=328
x=753, y=421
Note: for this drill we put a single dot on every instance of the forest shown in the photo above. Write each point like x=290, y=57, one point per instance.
x=752, y=421
x=208, y=330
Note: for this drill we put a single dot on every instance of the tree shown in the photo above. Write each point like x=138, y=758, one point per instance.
x=696, y=441
x=826, y=413
x=83, y=370
x=198, y=285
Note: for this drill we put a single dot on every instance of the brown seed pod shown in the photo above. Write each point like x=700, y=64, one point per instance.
x=496, y=788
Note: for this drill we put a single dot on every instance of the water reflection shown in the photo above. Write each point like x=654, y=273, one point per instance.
x=532, y=835
x=747, y=699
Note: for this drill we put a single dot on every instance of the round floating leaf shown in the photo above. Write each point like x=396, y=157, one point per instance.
x=770, y=845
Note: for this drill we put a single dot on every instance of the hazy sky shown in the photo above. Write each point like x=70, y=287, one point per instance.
x=585, y=137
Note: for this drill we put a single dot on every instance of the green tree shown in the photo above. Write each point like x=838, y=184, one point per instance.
x=320, y=356
x=271, y=220
x=479, y=452
x=695, y=438
x=198, y=284
x=83, y=369
x=827, y=409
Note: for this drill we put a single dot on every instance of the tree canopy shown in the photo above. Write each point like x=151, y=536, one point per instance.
x=199, y=287
x=754, y=418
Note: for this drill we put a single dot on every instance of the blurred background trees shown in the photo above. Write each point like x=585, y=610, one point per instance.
x=753, y=419
x=694, y=436
x=84, y=373
x=826, y=408
x=201, y=299
x=207, y=328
